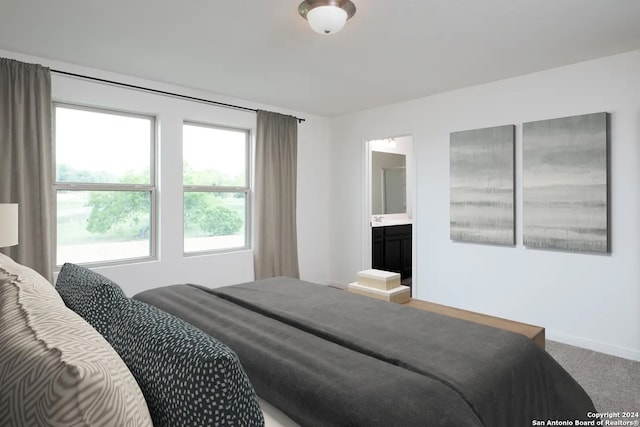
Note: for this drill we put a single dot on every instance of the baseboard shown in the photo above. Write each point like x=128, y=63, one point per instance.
x=614, y=350
x=337, y=285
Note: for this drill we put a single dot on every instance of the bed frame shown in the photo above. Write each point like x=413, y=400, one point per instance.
x=536, y=333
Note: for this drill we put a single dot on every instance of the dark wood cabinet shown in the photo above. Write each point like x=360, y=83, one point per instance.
x=391, y=249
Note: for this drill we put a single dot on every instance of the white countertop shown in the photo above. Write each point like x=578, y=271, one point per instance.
x=390, y=219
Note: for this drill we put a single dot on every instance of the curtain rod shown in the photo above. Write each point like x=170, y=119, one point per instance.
x=162, y=92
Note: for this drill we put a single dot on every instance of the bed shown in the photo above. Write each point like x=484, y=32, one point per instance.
x=325, y=357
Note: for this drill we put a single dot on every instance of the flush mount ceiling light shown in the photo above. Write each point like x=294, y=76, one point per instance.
x=327, y=16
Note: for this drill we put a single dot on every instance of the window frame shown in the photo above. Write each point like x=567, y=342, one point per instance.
x=150, y=188
x=247, y=189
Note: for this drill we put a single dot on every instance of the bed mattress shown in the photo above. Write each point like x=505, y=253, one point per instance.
x=327, y=357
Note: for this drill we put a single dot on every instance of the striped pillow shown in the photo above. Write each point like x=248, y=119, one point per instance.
x=55, y=369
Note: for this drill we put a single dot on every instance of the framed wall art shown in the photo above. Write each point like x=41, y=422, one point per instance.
x=565, y=183
x=481, y=185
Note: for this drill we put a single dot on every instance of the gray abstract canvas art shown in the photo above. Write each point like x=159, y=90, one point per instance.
x=481, y=185
x=565, y=189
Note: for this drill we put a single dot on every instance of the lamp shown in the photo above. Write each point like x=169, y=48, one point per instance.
x=327, y=16
x=8, y=224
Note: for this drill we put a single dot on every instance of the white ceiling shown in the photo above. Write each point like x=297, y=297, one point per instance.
x=262, y=50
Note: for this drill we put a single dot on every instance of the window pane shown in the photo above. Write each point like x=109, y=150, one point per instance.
x=102, y=147
x=214, y=221
x=94, y=226
x=212, y=156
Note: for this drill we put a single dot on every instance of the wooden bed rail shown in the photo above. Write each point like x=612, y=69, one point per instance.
x=536, y=333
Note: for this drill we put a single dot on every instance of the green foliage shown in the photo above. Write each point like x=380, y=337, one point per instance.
x=66, y=173
x=206, y=210
x=220, y=221
x=195, y=204
x=109, y=208
x=129, y=210
x=210, y=177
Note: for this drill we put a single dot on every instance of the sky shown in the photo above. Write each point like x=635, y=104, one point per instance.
x=117, y=143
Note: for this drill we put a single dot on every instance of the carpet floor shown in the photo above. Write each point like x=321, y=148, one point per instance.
x=612, y=382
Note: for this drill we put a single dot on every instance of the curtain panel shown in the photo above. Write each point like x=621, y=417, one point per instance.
x=25, y=159
x=275, y=238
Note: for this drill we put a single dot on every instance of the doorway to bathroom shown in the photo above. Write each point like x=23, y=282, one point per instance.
x=390, y=206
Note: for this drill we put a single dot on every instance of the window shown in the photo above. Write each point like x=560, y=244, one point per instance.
x=216, y=188
x=104, y=185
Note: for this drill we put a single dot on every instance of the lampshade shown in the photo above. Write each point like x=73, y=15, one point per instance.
x=8, y=224
x=327, y=16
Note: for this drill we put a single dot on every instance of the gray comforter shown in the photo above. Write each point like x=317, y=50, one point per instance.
x=329, y=358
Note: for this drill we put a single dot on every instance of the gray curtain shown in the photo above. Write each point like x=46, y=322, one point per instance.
x=276, y=241
x=25, y=159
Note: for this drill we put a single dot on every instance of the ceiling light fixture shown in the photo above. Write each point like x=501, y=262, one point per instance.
x=327, y=16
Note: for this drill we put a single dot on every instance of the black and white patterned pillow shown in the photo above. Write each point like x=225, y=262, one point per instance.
x=187, y=377
x=91, y=295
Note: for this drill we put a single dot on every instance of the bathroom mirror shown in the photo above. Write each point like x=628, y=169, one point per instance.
x=388, y=183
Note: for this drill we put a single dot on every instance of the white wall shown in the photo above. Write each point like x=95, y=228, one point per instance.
x=587, y=300
x=172, y=267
